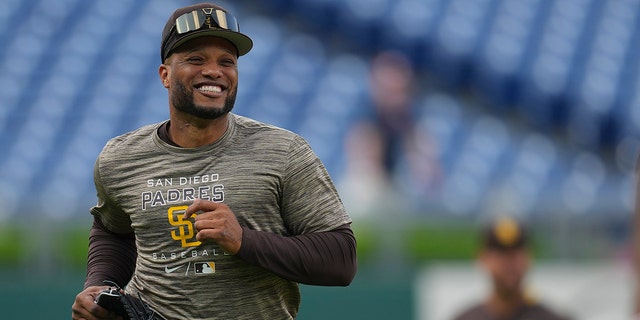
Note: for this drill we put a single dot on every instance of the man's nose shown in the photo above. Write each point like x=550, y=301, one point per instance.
x=212, y=69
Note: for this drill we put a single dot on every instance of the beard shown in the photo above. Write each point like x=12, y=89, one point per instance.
x=508, y=288
x=182, y=99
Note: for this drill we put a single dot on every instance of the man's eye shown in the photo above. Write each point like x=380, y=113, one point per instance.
x=195, y=59
x=228, y=62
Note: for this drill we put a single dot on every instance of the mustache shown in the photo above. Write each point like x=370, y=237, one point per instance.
x=182, y=99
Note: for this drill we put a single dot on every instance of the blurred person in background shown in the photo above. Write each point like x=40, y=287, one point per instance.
x=386, y=152
x=391, y=81
x=505, y=257
x=211, y=215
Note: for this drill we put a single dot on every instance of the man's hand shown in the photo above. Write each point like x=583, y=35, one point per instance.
x=216, y=222
x=84, y=307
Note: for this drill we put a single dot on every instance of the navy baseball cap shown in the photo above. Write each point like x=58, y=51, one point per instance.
x=203, y=19
x=504, y=234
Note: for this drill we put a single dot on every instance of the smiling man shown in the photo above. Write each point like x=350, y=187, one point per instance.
x=211, y=215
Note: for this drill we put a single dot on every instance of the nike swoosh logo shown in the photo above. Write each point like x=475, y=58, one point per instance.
x=170, y=270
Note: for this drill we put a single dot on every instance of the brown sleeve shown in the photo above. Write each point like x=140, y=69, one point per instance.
x=111, y=256
x=323, y=258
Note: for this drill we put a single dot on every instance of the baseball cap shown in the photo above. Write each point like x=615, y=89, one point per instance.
x=504, y=234
x=203, y=19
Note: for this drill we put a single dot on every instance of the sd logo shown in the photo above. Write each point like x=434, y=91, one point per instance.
x=185, y=230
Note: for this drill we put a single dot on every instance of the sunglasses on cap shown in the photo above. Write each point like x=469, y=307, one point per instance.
x=210, y=17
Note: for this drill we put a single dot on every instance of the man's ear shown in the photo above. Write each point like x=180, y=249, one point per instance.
x=163, y=72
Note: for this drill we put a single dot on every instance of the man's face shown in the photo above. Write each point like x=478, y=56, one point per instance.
x=507, y=269
x=202, y=77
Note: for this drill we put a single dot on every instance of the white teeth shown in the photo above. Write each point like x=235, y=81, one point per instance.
x=210, y=89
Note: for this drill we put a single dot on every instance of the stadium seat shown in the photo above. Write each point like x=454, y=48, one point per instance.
x=555, y=66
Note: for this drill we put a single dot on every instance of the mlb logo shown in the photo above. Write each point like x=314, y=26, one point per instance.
x=205, y=267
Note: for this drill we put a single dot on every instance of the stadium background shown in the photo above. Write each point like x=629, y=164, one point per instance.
x=531, y=106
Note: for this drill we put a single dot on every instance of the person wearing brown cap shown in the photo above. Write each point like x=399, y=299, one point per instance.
x=506, y=259
x=212, y=215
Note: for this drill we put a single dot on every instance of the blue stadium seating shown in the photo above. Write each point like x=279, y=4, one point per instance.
x=76, y=73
